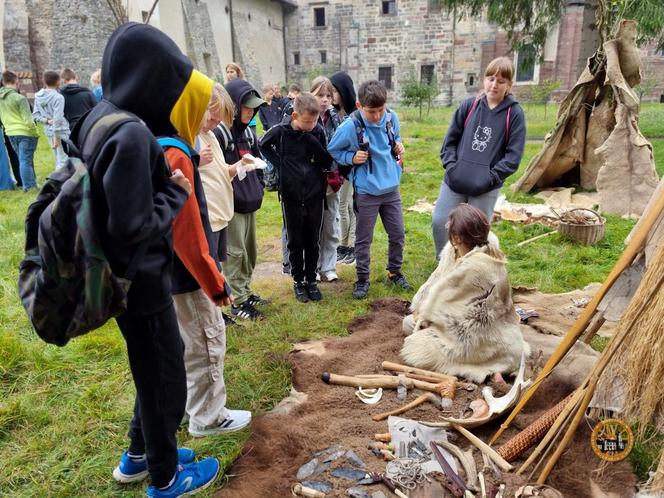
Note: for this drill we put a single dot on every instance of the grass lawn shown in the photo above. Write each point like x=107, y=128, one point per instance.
x=64, y=412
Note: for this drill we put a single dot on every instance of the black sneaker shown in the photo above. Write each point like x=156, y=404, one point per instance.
x=361, y=289
x=341, y=253
x=228, y=321
x=350, y=256
x=285, y=269
x=314, y=291
x=399, y=280
x=256, y=300
x=301, y=294
x=246, y=311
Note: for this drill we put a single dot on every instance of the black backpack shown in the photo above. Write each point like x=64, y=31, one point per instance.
x=65, y=280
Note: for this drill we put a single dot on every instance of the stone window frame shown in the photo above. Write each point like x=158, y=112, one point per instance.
x=391, y=80
x=382, y=8
x=323, y=56
x=433, y=71
x=536, y=71
x=296, y=58
x=319, y=8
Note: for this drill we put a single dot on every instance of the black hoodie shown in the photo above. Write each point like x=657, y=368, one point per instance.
x=78, y=101
x=302, y=160
x=134, y=202
x=480, y=152
x=248, y=193
x=344, y=85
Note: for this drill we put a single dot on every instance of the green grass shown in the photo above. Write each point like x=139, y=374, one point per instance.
x=64, y=412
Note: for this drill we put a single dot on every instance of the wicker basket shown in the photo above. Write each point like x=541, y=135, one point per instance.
x=584, y=234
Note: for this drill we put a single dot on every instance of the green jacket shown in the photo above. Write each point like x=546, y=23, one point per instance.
x=15, y=114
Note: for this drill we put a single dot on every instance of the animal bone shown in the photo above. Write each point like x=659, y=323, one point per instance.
x=467, y=462
x=479, y=407
x=484, y=448
x=436, y=400
x=497, y=406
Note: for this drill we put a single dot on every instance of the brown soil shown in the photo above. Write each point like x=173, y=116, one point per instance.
x=333, y=416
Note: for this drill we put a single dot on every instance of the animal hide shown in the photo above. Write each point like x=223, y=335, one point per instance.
x=471, y=328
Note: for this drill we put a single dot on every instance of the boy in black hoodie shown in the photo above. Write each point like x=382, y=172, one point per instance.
x=78, y=99
x=247, y=198
x=297, y=148
x=135, y=202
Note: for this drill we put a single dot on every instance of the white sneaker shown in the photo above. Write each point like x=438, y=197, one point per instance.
x=317, y=277
x=330, y=276
x=236, y=420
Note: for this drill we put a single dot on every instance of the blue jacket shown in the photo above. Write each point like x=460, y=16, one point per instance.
x=478, y=155
x=385, y=174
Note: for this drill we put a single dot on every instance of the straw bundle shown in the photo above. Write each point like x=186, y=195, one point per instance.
x=639, y=361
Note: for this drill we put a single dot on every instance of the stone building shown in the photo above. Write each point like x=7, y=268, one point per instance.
x=393, y=40
x=39, y=35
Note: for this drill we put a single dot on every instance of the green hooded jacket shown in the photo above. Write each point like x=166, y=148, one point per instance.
x=15, y=114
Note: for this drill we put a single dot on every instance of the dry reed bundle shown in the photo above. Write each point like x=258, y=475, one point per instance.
x=639, y=362
x=639, y=312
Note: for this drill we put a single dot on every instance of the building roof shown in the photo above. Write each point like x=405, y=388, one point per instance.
x=288, y=4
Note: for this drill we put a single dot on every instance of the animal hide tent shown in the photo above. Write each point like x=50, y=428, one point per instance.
x=470, y=327
x=597, y=130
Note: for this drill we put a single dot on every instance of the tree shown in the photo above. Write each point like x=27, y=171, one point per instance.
x=528, y=22
x=415, y=93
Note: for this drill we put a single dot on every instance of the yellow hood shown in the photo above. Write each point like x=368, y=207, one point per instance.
x=188, y=112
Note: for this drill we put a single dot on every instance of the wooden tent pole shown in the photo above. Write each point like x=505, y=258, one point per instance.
x=629, y=254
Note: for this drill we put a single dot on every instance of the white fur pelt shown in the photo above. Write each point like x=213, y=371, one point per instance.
x=470, y=327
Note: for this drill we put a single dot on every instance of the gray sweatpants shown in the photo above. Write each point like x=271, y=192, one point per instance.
x=329, y=235
x=346, y=215
x=368, y=208
x=448, y=199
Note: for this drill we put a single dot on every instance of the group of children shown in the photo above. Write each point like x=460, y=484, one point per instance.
x=181, y=188
x=57, y=107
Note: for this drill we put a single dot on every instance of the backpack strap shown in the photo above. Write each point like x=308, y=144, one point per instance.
x=227, y=142
x=359, y=126
x=389, y=129
x=472, y=109
x=99, y=132
x=166, y=142
x=249, y=135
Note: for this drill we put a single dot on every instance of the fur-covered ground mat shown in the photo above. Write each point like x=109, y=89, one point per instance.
x=323, y=416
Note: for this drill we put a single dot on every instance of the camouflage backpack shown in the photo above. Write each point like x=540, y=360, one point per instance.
x=65, y=280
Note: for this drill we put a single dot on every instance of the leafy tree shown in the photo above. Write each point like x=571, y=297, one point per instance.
x=648, y=83
x=415, y=93
x=528, y=22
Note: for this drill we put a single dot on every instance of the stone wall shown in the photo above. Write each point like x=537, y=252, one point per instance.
x=259, y=41
x=359, y=39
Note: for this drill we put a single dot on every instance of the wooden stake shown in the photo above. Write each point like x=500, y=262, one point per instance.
x=484, y=448
x=396, y=367
x=409, y=406
x=537, y=237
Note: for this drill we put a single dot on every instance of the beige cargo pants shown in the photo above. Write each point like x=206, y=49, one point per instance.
x=204, y=335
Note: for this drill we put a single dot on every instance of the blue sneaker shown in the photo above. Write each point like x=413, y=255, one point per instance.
x=129, y=470
x=190, y=479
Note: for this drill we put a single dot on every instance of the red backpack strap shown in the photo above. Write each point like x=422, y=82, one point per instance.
x=472, y=109
x=507, y=125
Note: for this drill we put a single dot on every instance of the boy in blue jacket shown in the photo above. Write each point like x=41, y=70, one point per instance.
x=370, y=142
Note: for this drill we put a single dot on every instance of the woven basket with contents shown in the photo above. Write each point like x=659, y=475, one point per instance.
x=582, y=225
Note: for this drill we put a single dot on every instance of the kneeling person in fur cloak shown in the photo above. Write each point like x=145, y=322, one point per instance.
x=463, y=321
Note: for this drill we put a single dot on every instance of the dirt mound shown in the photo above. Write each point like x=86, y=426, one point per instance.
x=332, y=416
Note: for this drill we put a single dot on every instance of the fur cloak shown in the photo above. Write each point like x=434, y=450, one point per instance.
x=470, y=327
